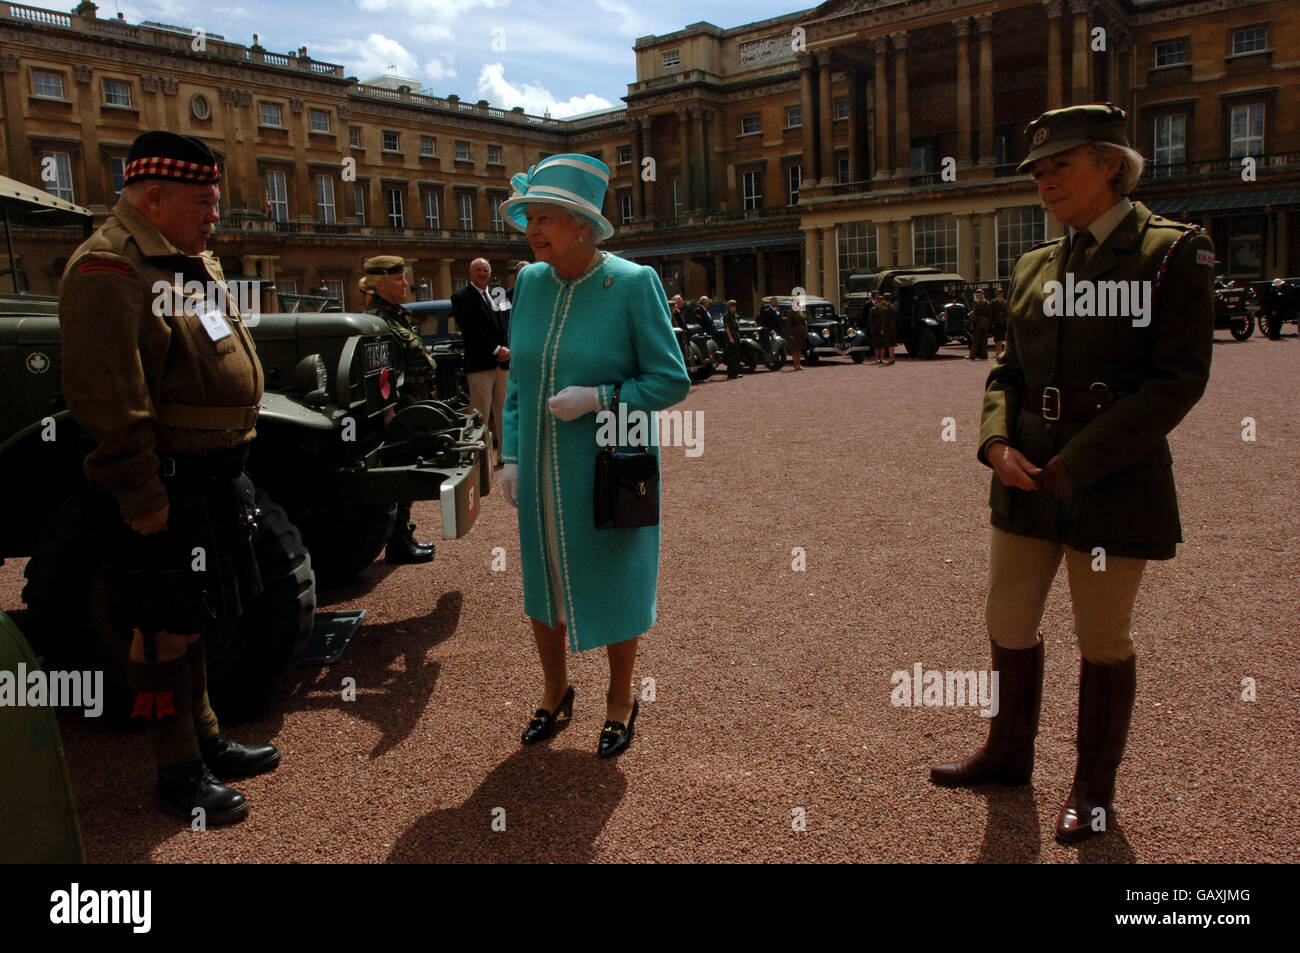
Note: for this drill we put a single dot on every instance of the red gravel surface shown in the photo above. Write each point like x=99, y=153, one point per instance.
x=772, y=686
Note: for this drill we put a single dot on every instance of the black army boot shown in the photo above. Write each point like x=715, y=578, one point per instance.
x=184, y=787
x=1008, y=756
x=229, y=759
x=1106, y=696
x=407, y=550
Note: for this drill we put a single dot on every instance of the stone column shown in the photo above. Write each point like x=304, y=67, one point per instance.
x=684, y=150
x=444, y=277
x=905, y=253
x=1280, y=246
x=699, y=176
x=966, y=225
x=880, y=46
x=808, y=107
x=831, y=266
x=719, y=278
x=707, y=191
x=827, y=137
x=1081, y=63
x=987, y=155
x=1053, y=8
x=988, y=263
x=962, y=26
x=811, y=267
x=902, y=124
x=884, y=245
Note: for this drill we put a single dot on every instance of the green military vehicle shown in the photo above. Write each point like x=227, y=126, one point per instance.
x=930, y=304
x=328, y=473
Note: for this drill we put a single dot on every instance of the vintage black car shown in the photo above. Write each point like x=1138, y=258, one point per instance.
x=443, y=340
x=829, y=334
x=1279, y=302
x=1232, y=309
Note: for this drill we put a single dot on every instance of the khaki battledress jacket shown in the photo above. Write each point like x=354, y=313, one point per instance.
x=1125, y=502
x=141, y=373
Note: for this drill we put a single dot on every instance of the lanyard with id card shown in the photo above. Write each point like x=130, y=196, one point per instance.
x=215, y=324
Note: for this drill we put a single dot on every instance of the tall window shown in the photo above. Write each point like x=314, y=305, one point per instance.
x=624, y=155
x=396, y=204
x=354, y=137
x=625, y=206
x=1252, y=40
x=793, y=182
x=58, y=180
x=359, y=201
x=677, y=198
x=278, y=195
x=857, y=248
x=270, y=114
x=934, y=241
x=925, y=158
x=320, y=120
x=117, y=168
x=1171, y=52
x=117, y=93
x=392, y=140
x=842, y=169
x=1170, y=140
x=793, y=116
x=432, y=216
x=841, y=109
x=429, y=146
x=1019, y=229
x=334, y=289
x=1247, y=123
x=752, y=188
x=494, y=205
x=49, y=85
x=325, y=200
x=749, y=124
x=462, y=150
x=465, y=205
x=494, y=155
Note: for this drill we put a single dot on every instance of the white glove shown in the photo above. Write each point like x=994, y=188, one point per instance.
x=574, y=402
x=510, y=483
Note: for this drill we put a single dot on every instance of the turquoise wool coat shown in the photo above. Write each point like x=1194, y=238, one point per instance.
x=608, y=327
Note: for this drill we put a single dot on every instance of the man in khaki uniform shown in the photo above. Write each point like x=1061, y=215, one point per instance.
x=169, y=387
x=384, y=279
x=1076, y=416
x=979, y=328
x=998, y=320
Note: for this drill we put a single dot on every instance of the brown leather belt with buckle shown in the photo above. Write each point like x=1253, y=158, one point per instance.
x=1074, y=406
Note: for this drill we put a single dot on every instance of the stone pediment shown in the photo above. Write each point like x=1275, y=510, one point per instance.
x=892, y=11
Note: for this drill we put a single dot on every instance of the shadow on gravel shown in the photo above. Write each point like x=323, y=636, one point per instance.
x=394, y=676
x=1111, y=848
x=553, y=805
x=362, y=585
x=1011, y=834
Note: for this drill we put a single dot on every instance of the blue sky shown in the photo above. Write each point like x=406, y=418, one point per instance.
x=568, y=56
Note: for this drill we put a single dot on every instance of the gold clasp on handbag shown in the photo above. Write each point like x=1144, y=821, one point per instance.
x=640, y=488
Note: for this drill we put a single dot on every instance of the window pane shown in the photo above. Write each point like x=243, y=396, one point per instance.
x=270, y=114
x=354, y=138
x=320, y=121
x=462, y=150
x=325, y=199
x=48, y=84
x=396, y=210
x=793, y=116
x=934, y=241
x=794, y=179
x=857, y=250
x=117, y=94
x=1019, y=229
x=494, y=203
x=752, y=183
x=390, y=140
x=61, y=184
x=359, y=201
x=465, y=203
x=117, y=168
x=432, y=219
x=277, y=194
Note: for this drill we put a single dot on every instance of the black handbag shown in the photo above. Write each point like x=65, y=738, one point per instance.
x=626, y=489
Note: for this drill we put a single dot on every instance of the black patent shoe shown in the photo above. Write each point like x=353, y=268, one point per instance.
x=543, y=724
x=184, y=787
x=228, y=759
x=615, y=737
x=408, y=550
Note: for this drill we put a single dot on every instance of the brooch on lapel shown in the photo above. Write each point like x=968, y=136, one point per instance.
x=609, y=280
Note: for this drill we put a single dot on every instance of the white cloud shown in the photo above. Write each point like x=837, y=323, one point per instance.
x=632, y=24
x=373, y=56
x=437, y=70
x=496, y=89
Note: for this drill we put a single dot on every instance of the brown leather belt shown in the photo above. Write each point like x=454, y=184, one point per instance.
x=1071, y=405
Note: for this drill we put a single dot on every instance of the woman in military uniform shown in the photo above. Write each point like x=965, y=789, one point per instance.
x=1075, y=421
x=797, y=321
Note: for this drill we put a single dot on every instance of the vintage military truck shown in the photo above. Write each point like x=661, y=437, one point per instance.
x=1231, y=309
x=327, y=468
x=931, y=307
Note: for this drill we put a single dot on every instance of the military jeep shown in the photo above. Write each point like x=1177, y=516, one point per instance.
x=1231, y=309
x=328, y=473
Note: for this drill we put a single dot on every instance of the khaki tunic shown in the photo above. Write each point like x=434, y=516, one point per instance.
x=143, y=377
x=1125, y=502
x=419, y=367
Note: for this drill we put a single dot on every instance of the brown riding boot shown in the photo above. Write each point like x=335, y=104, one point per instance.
x=1008, y=756
x=1106, y=696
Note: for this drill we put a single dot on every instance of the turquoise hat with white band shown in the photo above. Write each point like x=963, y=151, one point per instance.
x=571, y=181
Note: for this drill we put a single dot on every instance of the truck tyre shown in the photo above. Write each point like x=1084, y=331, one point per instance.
x=1244, y=327
x=924, y=344
x=68, y=617
x=343, y=536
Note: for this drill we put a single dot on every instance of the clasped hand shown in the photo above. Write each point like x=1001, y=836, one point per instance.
x=574, y=402
x=1014, y=469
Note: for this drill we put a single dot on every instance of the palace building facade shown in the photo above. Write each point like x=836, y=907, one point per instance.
x=746, y=161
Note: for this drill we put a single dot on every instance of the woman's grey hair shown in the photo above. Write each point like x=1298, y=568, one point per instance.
x=1125, y=180
x=580, y=222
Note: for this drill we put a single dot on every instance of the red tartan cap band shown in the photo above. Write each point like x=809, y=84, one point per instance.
x=159, y=167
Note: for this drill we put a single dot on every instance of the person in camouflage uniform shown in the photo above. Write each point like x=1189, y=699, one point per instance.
x=385, y=281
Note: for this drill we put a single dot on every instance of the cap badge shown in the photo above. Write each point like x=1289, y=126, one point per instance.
x=1040, y=135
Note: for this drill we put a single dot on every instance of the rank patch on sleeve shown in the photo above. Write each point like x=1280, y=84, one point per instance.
x=1204, y=257
x=118, y=267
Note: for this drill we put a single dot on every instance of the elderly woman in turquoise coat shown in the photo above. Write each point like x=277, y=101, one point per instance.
x=585, y=323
